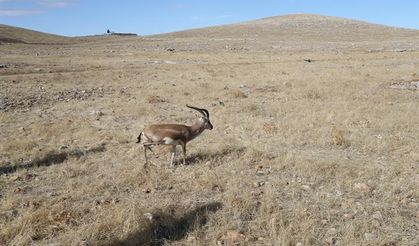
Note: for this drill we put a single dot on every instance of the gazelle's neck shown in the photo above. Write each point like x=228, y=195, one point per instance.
x=196, y=129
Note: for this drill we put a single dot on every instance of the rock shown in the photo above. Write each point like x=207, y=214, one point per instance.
x=63, y=147
x=3, y=66
x=148, y=216
x=361, y=187
x=257, y=184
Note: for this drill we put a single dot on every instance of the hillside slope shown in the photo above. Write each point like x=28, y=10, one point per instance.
x=299, y=26
x=11, y=34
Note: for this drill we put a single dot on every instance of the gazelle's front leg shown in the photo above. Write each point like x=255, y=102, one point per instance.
x=172, y=159
x=145, y=156
x=184, y=153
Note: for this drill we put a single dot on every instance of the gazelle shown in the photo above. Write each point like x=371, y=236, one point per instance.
x=174, y=134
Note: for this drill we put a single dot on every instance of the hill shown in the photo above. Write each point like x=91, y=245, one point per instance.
x=11, y=34
x=296, y=27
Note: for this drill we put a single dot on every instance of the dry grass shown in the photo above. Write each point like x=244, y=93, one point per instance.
x=320, y=153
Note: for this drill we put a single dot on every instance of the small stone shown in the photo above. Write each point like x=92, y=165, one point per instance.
x=299, y=244
x=305, y=187
x=413, y=204
x=369, y=236
x=233, y=235
x=332, y=231
x=375, y=223
x=377, y=215
x=348, y=216
x=84, y=242
x=324, y=222
x=15, y=178
x=18, y=190
x=148, y=216
x=260, y=172
x=190, y=239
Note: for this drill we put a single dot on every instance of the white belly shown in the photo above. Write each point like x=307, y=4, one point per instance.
x=170, y=141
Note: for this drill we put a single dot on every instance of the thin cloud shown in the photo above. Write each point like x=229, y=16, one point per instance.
x=18, y=12
x=55, y=3
x=37, y=7
x=181, y=6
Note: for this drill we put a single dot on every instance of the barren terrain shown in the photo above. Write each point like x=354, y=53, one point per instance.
x=315, y=139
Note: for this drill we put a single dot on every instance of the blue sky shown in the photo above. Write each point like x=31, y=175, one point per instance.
x=86, y=17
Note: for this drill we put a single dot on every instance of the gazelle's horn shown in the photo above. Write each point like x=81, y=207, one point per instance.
x=203, y=111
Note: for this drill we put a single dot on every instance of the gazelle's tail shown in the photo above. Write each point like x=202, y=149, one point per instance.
x=139, y=138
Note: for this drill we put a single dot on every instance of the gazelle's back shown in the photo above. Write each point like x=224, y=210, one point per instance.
x=166, y=133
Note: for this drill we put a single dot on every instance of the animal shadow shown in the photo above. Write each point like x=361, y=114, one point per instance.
x=217, y=156
x=162, y=227
x=52, y=157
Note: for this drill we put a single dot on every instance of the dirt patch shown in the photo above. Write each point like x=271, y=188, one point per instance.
x=412, y=85
x=24, y=102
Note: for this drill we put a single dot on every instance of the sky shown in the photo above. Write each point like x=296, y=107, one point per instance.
x=90, y=17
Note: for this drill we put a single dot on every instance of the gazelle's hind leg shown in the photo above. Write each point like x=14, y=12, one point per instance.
x=145, y=155
x=172, y=159
x=148, y=147
x=151, y=150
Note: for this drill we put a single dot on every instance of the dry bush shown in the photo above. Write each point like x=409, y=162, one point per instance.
x=18, y=145
x=270, y=128
x=239, y=94
x=313, y=94
x=155, y=99
x=339, y=138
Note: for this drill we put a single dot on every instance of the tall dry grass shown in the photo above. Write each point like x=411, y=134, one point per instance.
x=319, y=153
